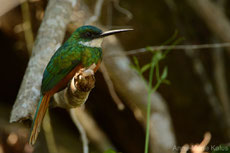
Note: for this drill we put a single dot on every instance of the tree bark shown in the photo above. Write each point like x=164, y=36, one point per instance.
x=50, y=35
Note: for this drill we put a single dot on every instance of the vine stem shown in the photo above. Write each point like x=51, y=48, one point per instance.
x=148, y=115
x=149, y=106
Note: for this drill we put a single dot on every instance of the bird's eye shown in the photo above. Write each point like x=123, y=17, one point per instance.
x=88, y=34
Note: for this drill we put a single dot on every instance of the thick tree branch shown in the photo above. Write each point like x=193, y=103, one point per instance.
x=50, y=34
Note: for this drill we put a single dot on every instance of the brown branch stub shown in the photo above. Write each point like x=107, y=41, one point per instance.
x=77, y=91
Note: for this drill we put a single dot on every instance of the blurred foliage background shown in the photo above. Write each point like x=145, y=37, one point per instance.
x=154, y=22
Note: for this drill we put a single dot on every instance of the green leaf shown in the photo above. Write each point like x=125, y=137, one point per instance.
x=145, y=67
x=135, y=69
x=135, y=60
x=136, y=65
x=164, y=74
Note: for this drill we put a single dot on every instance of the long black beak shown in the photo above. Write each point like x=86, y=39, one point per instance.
x=111, y=32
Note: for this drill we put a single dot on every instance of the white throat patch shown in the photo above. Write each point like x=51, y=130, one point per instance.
x=93, y=43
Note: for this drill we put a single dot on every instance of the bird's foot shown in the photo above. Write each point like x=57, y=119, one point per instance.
x=87, y=72
x=83, y=73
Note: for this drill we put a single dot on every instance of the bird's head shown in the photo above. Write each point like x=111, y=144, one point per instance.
x=91, y=36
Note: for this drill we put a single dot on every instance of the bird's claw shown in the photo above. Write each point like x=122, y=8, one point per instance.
x=87, y=72
x=83, y=73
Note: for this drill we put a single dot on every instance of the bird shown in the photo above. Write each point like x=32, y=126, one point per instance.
x=81, y=50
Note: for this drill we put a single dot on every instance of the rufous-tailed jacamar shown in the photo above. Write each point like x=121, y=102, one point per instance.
x=81, y=50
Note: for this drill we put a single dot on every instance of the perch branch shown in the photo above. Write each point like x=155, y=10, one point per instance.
x=77, y=91
x=50, y=34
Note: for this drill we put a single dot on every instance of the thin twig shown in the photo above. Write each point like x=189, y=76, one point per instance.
x=177, y=47
x=122, y=10
x=97, y=12
x=110, y=85
x=81, y=130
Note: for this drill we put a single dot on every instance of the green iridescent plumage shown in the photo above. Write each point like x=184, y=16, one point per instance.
x=81, y=50
x=68, y=56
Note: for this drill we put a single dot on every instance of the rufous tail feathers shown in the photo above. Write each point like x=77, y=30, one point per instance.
x=38, y=117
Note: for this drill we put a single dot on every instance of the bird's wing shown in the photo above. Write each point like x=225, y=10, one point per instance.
x=61, y=64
